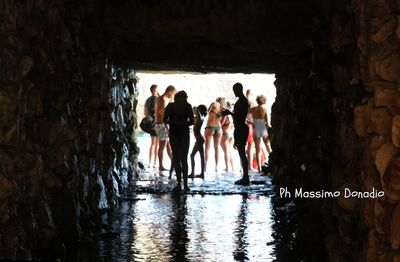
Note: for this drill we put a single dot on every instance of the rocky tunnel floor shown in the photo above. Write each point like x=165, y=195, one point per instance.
x=215, y=221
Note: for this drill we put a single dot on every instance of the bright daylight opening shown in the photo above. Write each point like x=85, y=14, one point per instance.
x=203, y=89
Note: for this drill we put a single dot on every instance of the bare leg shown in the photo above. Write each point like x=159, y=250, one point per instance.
x=258, y=152
x=192, y=155
x=161, y=154
x=208, y=135
x=169, y=150
x=230, y=147
x=266, y=142
x=152, y=150
x=225, y=147
x=250, y=153
x=156, y=151
x=217, y=141
x=201, y=151
x=245, y=163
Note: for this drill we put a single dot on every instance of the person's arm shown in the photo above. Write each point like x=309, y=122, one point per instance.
x=190, y=115
x=146, y=112
x=167, y=113
x=266, y=119
x=226, y=112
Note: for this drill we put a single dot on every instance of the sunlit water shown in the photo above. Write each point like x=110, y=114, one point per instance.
x=216, y=221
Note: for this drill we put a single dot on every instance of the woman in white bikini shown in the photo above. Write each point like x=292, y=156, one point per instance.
x=261, y=125
x=213, y=131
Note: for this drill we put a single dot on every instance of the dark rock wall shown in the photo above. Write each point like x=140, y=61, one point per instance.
x=376, y=121
x=315, y=145
x=62, y=104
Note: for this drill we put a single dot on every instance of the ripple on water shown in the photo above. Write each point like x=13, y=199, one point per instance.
x=163, y=227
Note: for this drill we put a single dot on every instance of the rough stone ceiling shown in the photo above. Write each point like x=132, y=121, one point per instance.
x=225, y=35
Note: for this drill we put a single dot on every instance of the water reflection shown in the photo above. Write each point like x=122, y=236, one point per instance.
x=163, y=227
x=178, y=225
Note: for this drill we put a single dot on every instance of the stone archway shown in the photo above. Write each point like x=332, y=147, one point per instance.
x=64, y=83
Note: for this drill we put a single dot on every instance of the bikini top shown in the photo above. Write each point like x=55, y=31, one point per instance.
x=217, y=114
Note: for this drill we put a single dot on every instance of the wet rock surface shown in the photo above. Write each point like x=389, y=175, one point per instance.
x=56, y=153
x=212, y=184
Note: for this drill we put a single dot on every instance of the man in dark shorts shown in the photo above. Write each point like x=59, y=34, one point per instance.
x=241, y=132
x=149, y=110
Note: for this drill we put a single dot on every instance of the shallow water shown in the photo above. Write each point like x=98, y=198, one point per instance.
x=215, y=221
x=164, y=227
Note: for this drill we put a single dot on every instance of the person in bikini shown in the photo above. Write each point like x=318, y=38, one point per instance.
x=200, y=113
x=213, y=132
x=261, y=125
x=227, y=138
x=160, y=127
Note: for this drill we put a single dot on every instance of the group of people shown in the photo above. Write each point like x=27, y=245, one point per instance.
x=241, y=125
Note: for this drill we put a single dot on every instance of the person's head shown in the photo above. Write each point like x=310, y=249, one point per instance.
x=249, y=93
x=170, y=91
x=154, y=90
x=228, y=105
x=181, y=97
x=215, y=106
x=238, y=89
x=221, y=101
x=261, y=99
x=202, y=109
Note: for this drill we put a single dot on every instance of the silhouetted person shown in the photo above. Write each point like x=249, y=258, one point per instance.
x=179, y=116
x=227, y=138
x=161, y=128
x=199, y=113
x=250, y=124
x=241, y=132
x=149, y=110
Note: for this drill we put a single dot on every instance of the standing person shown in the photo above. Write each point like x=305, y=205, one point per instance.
x=149, y=110
x=199, y=114
x=261, y=125
x=250, y=124
x=227, y=138
x=213, y=132
x=160, y=127
x=241, y=132
x=179, y=116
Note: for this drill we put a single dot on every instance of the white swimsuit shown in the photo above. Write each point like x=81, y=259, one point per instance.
x=260, y=130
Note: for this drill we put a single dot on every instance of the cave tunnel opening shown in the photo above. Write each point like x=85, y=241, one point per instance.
x=203, y=88
x=240, y=231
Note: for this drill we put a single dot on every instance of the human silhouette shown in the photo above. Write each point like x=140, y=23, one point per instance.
x=179, y=116
x=241, y=132
x=200, y=112
x=149, y=110
x=160, y=128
